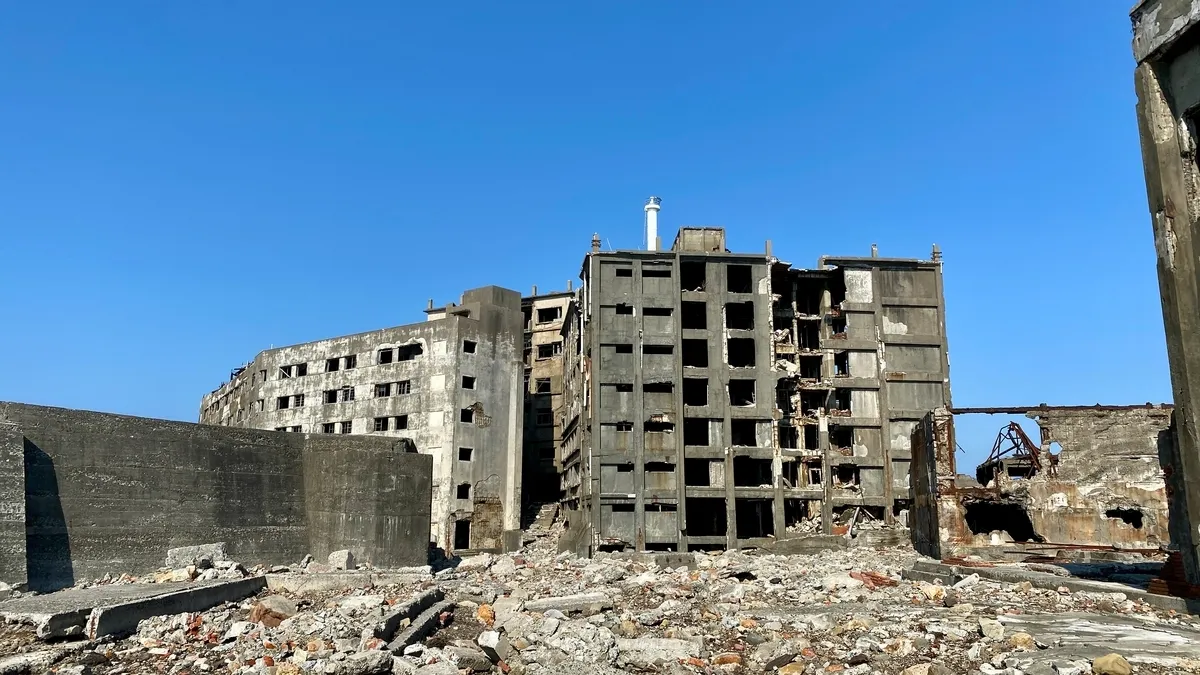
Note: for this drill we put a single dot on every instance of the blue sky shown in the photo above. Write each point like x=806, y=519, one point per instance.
x=184, y=185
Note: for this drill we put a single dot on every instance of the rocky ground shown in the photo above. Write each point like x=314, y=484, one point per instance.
x=541, y=613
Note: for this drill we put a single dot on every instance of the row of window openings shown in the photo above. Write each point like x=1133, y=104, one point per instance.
x=750, y=472
x=694, y=352
x=693, y=275
x=696, y=430
x=346, y=394
x=546, y=350
x=707, y=517
x=694, y=315
x=695, y=390
x=389, y=355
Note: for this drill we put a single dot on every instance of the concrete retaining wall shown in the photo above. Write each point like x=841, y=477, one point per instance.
x=110, y=493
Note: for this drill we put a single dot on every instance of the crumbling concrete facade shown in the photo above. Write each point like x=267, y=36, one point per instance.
x=1166, y=45
x=724, y=400
x=1093, y=478
x=543, y=358
x=452, y=386
x=84, y=494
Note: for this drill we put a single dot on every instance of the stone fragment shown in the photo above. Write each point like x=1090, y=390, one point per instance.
x=1111, y=664
x=582, y=602
x=471, y=659
x=356, y=604
x=835, y=581
x=933, y=591
x=202, y=555
x=649, y=653
x=991, y=628
x=727, y=658
x=486, y=614
x=496, y=645
x=372, y=662
x=272, y=610
x=1022, y=642
x=794, y=668
x=341, y=560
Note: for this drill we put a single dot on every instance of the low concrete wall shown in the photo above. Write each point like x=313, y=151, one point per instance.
x=110, y=493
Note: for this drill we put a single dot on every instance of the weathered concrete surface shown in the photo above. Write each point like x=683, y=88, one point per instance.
x=311, y=584
x=121, y=618
x=405, y=384
x=111, y=493
x=1077, y=636
x=408, y=611
x=421, y=626
x=65, y=613
x=1165, y=80
x=12, y=505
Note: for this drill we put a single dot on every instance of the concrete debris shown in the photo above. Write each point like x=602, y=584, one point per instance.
x=536, y=612
x=341, y=560
x=203, y=556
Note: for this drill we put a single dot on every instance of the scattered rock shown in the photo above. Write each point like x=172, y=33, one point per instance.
x=272, y=610
x=341, y=560
x=1111, y=664
x=991, y=629
x=202, y=555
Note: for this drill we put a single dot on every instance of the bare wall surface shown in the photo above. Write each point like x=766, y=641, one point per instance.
x=12, y=504
x=110, y=493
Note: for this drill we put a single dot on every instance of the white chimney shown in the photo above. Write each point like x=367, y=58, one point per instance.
x=652, y=206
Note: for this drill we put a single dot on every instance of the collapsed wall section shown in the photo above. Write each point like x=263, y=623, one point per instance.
x=110, y=493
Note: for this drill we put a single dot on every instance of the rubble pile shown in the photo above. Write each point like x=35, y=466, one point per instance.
x=537, y=612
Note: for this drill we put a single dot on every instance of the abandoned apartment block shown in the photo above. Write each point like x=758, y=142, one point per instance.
x=453, y=386
x=718, y=400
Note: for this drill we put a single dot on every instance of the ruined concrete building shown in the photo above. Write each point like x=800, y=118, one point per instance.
x=721, y=400
x=451, y=387
x=1092, y=479
x=543, y=354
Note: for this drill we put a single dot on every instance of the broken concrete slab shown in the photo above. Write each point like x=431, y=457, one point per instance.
x=421, y=626
x=410, y=610
x=123, y=618
x=324, y=582
x=581, y=602
x=196, y=555
x=64, y=613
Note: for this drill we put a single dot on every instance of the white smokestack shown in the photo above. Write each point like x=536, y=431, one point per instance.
x=652, y=206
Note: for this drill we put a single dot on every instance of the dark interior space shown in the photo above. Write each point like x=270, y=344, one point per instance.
x=837, y=326
x=810, y=367
x=808, y=296
x=741, y=352
x=809, y=336
x=984, y=517
x=409, y=352
x=841, y=364
x=811, y=401
x=658, y=387
x=751, y=472
x=740, y=278
x=784, y=389
x=781, y=285
x=797, y=510
x=741, y=392
x=695, y=431
x=790, y=473
x=693, y=315
x=695, y=473
x=812, y=437
x=845, y=475
x=841, y=400
x=739, y=315
x=841, y=438
x=660, y=350
x=812, y=473
x=661, y=547
x=695, y=391
x=789, y=437
x=755, y=518
x=695, y=353
x=706, y=517
x=743, y=432
x=1129, y=516
x=691, y=275
x=462, y=534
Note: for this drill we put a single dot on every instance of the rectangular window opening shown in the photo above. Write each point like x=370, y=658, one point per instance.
x=623, y=349
x=695, y=431
x=541, y=385
x=404, y=387
x=624, y=272
x=658, y=349
x=351, y=362
x=740, y=279
x=464, y=454
x=329, y=428
x=330, y=396
x=739, y=315
x=400, y=422
x=463, y=491
x=549, y=314
x=386, y=356
x=841, y=439
x=697, y=472
x=468, y=382
x=810, y=367
x=751, y=472
x=809, y=336
x=812, y=437
x=383, y=389
x=544, y=418
x=658, y=387
x=624, y=310
x=755, y=518
x=656, y=311
x=691, y=275
x=469, y=346
x=741, y=392
x=841, y=364
x=706, y=517
x=332, y=365
x=743, y=432
x=845, y=476
x=381, y=423
x=347, y=427
x=789, y=437
x=695, y=353
x=466, y=415
x=693, y=316
x=695, y=391
x=462, y=534
x=741, y=352
x=409, y=352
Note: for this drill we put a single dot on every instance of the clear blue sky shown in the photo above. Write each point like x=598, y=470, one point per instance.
x=183, y=185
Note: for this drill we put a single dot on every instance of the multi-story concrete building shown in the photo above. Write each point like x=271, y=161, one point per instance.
x=543, y=355
x=716, y=399
x=451, y=387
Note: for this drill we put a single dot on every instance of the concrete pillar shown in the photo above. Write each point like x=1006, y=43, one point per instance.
x=1167, y=67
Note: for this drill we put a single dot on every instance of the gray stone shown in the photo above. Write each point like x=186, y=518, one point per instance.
x=341, y=560
x=496, y=645
x=991, y=629
x=654, y=652
x=356, y=604
x=372, y=662
x=473, y=659
x=582, y=602
x=194, y=555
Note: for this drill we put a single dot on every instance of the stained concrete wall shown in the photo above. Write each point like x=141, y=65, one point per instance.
x=110, y=493
x=12, y=504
